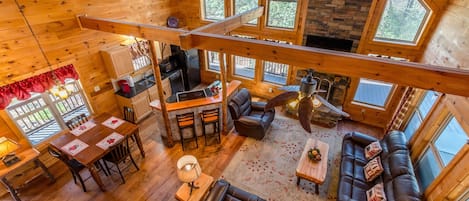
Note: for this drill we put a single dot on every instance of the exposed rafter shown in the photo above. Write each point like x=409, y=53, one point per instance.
x=442, y=79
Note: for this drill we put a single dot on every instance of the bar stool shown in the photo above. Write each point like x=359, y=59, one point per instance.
x=185, y=121
x=211, y=117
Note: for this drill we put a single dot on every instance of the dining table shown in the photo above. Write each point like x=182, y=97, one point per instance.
x=89, y=140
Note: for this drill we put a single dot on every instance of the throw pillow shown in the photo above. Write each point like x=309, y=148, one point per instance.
x=372, y=150
x=376, y=193
x=373, y=169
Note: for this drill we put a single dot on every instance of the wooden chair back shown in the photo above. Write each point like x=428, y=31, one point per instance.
x=76, y=121
x=129, y=114
x=209, y=116
x=119, y=152
x=185, y=120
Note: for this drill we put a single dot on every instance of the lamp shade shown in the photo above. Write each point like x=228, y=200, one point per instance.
x=188, y=168
x=7, y=146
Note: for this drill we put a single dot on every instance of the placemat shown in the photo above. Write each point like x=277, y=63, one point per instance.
x=83, y=128
x=74, y=147
x=113, y=122
x=110, y=140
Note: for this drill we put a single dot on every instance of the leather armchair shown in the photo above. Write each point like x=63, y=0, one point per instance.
x=249, y=117
x=222, y=190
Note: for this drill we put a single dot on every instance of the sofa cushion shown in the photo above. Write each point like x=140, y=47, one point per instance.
x=403, y=188
x=372, y=150
x=373, y=169
x=376, y=193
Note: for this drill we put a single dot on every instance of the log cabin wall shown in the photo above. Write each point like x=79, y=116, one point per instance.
x=448, y=46
x=55, y=25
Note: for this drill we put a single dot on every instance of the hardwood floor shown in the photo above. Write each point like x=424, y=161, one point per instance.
x=157, y=178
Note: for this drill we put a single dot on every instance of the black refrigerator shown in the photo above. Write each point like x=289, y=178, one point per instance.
x=188, y=62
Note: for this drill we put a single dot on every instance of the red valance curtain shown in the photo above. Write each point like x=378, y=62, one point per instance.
x=40, y=83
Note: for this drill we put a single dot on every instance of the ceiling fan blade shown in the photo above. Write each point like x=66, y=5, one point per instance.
x=305, y=110
x=330, y=106
x=290, y=88
x=282, y=99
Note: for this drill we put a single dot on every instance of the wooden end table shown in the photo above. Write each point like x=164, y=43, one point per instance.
x=310, y=170
x=203, y=182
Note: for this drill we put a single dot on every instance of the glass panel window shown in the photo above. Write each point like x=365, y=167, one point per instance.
x=440, y=152
x=213, y=9
x=275, y=72
x=420, y=113
x=282, y=13
x=44, y=115
x=213, y=61
x=241, y=6
x=373, y=92
x=427, y=169
x=450, y=141
x=245, y=67
x=402, y=21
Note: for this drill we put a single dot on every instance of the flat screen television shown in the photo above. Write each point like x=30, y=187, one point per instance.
x=189, y=95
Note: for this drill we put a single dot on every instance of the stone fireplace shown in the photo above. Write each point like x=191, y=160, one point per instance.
x=336, y=87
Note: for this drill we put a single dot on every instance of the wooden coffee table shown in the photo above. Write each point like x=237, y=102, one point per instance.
x=311, y=170
x=203, y=182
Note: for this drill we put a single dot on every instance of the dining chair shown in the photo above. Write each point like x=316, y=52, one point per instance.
x=118, y=154
x=76, y=121
x=129, y=114
x=211, y=117
x=74, y=166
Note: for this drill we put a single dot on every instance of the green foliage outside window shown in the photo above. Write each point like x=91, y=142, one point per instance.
x=214, y=9
x=282, y=13
x=402, y=20
x=245, y=5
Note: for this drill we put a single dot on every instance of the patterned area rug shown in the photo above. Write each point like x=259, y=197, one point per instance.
x=267, y=167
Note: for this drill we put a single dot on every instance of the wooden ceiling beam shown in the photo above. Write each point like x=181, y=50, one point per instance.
x=442, y=79
x=150, y=32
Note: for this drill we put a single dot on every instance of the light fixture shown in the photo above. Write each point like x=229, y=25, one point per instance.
x=316, y=102
x=188, y=170
x=61, y=90
x=7, y=147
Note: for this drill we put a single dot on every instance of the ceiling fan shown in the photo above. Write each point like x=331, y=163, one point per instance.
x=307, y=95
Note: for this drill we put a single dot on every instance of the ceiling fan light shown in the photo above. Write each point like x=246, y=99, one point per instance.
x=316, y=103
x=293, y=104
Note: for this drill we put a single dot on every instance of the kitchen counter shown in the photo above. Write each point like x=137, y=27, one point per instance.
x=143, y=85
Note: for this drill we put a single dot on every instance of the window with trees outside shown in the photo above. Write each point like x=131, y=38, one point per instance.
x=282, y=13
x=213, y=61
x=420, y=113
x=245, y=67
x=44, y=115
x=402, y=21
x=440, y=152
x=372, y=92
x=275, y=72
x=241, y=6
x=213, y=10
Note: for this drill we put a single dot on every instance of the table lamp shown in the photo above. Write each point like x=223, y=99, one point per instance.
x=188, y=170
x=7, y=147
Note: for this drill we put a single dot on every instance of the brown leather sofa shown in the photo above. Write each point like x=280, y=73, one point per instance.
x=249, y=117
x=398, y=177
x=224, y=191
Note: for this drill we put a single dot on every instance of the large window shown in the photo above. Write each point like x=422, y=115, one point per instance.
x=245, y=67
x=44, y=115
x=241, y=6
x=282, y=13
x=213, y=61
x=402, y=21
x=440, y=152
x=213, y=9
x=420, y=112
x=371, y=92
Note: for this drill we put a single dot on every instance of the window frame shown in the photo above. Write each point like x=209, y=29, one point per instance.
x=51, y=104
x=373, y=106
x=233, y=61
x=420, y=31
x=416, y=110
x=233, y=12
x=207, y=62
x=295, y=22
x=203, y=12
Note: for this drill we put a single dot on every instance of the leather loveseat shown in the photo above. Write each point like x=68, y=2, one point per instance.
x=398, y=178
x=222, y=190
x=249, y=117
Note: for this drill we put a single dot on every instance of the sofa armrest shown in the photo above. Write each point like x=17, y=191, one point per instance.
x=250, y=121
x=360, y=138
x=259, y=106
x=218, y=191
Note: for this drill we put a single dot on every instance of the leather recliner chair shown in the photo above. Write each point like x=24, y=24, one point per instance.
x=249, y=117
x=222, y=190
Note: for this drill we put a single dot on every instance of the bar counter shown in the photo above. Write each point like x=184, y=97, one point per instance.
x=196, y=106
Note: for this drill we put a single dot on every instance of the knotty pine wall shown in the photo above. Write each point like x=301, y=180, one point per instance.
x=449, y=46
x=54, y=22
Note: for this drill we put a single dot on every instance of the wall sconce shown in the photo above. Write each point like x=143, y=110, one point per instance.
x=7, y=147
